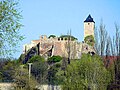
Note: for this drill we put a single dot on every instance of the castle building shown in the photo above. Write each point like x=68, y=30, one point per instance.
x=89, y=26
x=53, y=46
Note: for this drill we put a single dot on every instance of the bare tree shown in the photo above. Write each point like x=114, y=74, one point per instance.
x=101, y=39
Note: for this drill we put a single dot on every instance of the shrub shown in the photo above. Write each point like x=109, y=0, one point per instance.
x=53, y=36
x=54, y=59
x=89, y=40
x=36, y=58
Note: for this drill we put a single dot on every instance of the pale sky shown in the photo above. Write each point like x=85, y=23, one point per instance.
x=46, y=17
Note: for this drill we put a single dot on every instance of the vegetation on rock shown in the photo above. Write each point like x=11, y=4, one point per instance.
x=89, y=40
x=68, y=37
x=36, y=58
x=53, y=36
x=54, y=59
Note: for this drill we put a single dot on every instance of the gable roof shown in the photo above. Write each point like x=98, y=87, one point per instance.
x=89, y=19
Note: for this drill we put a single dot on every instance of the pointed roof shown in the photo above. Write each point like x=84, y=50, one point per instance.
x=89, y=19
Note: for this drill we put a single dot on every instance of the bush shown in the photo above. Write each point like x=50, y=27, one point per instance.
x=54, y=59
x=36, y=58
x=67, y=36
x=53, y=36
x=89, y=40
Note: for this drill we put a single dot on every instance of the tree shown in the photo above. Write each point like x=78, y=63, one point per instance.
x=36, y=58
x=39, y=68
x=87, y=73
x=52, y=78
x=107, y=47
x=7, y=70
x=54, y=59
x=9, y=27
x=89, y=40
x=101, y=39
x=11, y=71
x=116, y=52
x=22, y=80
x=39, y=71
x=53, y=36
x=68, y=37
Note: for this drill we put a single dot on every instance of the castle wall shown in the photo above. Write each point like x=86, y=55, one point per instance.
x=59, y=46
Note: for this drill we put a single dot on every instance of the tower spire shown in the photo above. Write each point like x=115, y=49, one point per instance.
x=89, y=19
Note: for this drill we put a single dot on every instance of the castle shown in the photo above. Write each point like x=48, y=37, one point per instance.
x=49, y=46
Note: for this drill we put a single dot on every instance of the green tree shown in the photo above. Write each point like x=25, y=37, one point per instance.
x=89, y=40
x=36, y=58
x=39, y=71
x=68, y=36
x=54, y=59
x=54, y=67
x=9, y=27
x=8, y=70
x=52, y=78
x=88, y=72
x=53, y=36
x=22, y=80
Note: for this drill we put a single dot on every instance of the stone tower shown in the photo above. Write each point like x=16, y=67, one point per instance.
x=89, y=26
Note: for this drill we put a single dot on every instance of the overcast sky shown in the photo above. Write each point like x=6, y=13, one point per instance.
x=46, y=17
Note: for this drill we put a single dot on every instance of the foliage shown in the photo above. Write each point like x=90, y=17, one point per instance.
x=21, y=58
x=7, y=70
x=36, y=58
x=53, y=36
x=68, y=36
x=11, y=71
x=9, y=27
x=52, y=78
x=89, y=40
x=54, y=67
x=22, y=80
x=39, y=71
x=1, y=76
x=88, y=72
x=54, y=59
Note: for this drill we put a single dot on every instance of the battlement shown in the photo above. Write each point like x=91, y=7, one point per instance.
x=65, y=38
